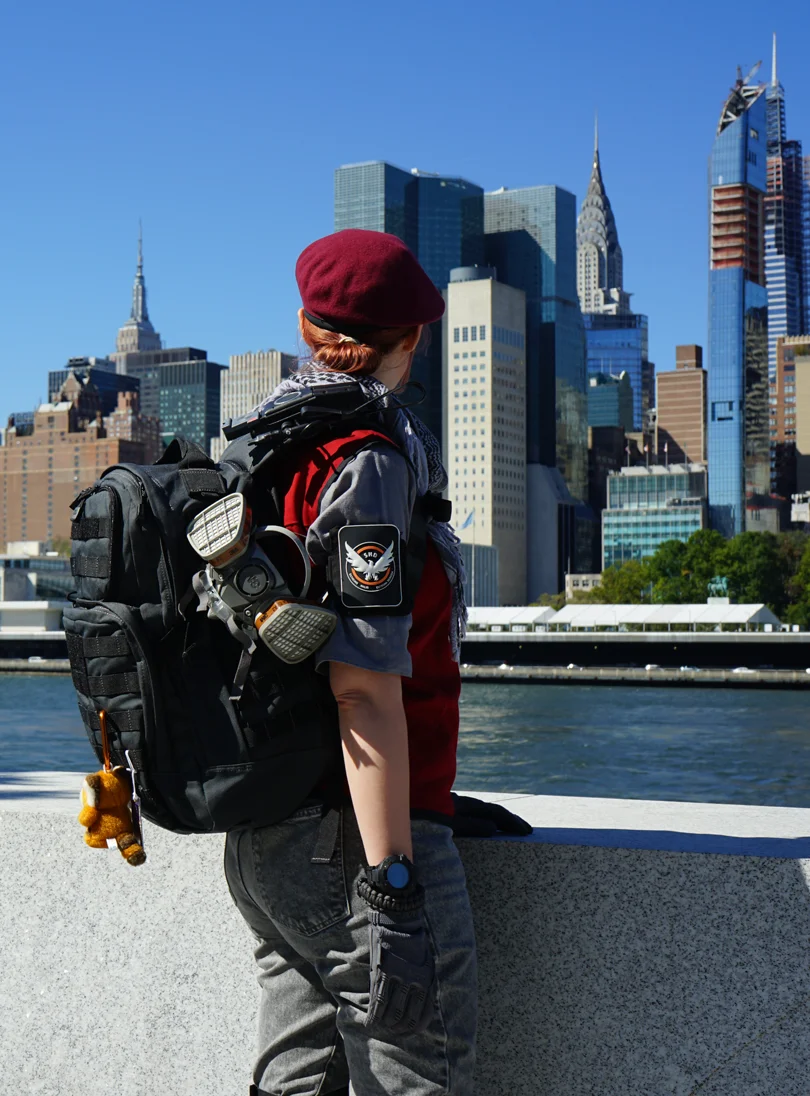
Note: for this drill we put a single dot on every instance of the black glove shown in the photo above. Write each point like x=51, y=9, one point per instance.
x=402, y=973
x=475, y=818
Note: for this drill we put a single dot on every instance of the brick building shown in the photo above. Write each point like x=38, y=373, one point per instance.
x=127, y=424
x=681, y=408
x=790, y=416
x=41, y=472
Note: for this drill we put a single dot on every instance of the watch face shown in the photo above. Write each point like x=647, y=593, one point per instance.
x=398, y=876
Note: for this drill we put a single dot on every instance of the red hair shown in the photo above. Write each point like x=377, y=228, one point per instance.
x=361, y=357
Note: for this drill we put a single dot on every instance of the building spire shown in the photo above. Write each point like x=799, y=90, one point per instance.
x=139, y=312
x=599, y=257
x=595, y=136
x=138, y=333
x=774, y=80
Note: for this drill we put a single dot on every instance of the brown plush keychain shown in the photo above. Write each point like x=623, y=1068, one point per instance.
x=109, y=807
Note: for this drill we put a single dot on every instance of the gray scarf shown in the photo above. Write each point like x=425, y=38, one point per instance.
x=423, y=452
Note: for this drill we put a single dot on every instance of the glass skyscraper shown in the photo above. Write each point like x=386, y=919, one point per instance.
x=648, y=506
x=610, y=400
x=376, y=196
x=619, y=344
x=806, y=240
x=785, y=266
x=440, y=218
x=531, y=241
x=739, y=463
x=181, y=387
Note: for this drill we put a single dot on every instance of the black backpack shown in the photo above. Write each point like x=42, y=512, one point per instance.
x=162, y=672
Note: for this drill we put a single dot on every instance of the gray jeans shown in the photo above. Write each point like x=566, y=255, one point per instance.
x=313, y=957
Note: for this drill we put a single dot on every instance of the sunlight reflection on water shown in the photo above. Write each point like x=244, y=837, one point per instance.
x=624, y=742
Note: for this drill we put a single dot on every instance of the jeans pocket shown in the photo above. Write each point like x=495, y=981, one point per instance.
x=296, y=894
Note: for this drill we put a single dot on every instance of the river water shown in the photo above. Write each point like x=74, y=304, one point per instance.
x=709, y=745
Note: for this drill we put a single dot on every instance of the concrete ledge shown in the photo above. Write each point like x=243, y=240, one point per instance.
x=628, y=947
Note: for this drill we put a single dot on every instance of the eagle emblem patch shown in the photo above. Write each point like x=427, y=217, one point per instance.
x=370, y=573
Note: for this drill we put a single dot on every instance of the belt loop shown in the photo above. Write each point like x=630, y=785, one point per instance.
x=327, y=837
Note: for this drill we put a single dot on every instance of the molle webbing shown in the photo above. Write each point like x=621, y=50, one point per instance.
x=97, y=647
x=90, y=529
x=83, y=566
x=96, y=685
x=129, y=720
x=202, y=481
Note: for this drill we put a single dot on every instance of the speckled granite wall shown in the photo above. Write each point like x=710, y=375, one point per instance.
x=639, y=970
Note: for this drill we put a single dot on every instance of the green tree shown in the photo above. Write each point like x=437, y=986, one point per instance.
x=680, y=571
x=791, y=548
x=61, y=545
x=624, y=585
x=701, y=563
x=551, y=601
x=756, y=570
x=668, y=573
x=799, y=611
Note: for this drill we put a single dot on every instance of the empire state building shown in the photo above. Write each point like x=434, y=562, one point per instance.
x=137, y=333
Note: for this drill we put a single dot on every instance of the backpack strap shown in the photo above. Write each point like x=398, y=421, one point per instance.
x=198, y=472
x=426, y=507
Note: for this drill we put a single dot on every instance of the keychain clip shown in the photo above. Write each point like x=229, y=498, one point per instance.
x=105, y=740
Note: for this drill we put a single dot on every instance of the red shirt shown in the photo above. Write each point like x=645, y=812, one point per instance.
x=430, y=695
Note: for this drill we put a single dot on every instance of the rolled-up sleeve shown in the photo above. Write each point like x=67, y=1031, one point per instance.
x=375, y=487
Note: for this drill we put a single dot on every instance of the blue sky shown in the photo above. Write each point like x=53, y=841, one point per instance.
x=221, y=125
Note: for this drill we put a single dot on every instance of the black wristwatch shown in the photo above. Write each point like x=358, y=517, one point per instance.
x=395, y=875
x=391, y=886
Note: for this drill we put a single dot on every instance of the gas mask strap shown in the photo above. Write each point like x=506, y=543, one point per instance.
x=297, y=541
x=212, y=603
x=242, y=670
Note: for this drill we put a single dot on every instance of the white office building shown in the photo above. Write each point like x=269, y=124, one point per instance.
x=485, y=419
x=250, y=378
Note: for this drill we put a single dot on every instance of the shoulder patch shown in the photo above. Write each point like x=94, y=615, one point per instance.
x=370, y=561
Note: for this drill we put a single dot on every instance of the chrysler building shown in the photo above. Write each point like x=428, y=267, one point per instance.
x=599, y=257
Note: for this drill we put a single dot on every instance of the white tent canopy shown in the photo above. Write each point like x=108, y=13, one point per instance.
x=508, y=618
x=662, y=617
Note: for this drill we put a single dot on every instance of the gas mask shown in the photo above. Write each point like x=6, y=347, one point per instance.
x=242, y=587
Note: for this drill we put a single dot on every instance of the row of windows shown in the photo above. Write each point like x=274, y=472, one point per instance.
x=472, y=354
x=472, y=368
x=470, y=334
x=509, y=338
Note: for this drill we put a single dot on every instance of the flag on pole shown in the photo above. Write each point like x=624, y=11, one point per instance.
x=468, y=520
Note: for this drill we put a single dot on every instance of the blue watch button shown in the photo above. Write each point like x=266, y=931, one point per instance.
x=398, y=876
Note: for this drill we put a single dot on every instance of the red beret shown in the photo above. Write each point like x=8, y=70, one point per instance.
x=360, y=279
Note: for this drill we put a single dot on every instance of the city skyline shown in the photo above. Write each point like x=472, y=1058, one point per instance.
x=215, y=282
